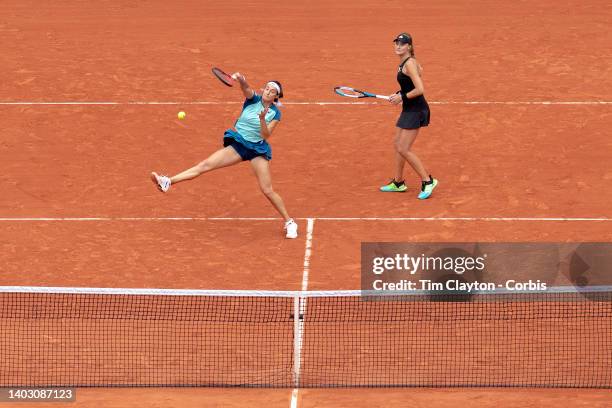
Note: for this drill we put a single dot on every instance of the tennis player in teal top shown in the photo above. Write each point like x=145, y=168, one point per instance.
x=247, y=141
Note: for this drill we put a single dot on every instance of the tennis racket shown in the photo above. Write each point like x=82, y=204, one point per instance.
x=356, y=93
x=223, y=77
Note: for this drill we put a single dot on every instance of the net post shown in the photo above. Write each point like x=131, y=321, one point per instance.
x=297, y=341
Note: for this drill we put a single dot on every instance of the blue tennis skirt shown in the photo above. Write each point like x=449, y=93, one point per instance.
x=247, y=150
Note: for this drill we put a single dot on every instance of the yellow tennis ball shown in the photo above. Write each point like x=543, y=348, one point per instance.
x=181, y=115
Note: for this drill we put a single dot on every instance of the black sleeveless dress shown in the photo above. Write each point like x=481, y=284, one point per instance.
x=415, y=111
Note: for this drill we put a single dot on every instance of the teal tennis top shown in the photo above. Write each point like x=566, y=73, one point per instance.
x=248, y=125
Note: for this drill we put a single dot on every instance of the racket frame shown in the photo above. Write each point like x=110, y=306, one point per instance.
x=364, y=94
x=225, y=78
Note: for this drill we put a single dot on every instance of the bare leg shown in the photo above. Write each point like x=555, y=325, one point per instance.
x=403, y=143
x=221, y=158
x=261, y=167
x=399, y=161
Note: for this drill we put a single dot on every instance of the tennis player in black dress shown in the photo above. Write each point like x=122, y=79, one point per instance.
x=415, y=115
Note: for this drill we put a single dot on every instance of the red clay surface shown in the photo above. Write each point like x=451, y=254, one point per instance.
x=450, y=398
x=336, y=263
x=477, y=50
x=493, y=160
x=158, y=254
x=317, y=398
x=173, y=397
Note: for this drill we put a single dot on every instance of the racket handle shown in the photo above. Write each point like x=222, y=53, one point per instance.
x=382, y=97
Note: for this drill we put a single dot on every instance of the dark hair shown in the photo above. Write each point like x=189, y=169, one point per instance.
x=280, y=94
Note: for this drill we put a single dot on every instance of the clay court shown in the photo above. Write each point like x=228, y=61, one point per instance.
x=521, y=101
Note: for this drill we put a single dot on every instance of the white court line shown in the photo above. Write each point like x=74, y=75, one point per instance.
x=307, y=253
x=146, y=219
x=300, y=314
x=271, y=293
x=463, y=219
x=166, y=103
x=313, y=103
x=294, y=398
x=521, y=102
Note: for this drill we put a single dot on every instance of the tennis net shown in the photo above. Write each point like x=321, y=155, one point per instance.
x=140, y=337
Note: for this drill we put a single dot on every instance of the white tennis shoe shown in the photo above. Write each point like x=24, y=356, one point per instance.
x=162, y=182
x=291, y=227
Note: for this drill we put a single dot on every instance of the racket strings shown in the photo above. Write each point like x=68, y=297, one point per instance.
x=223, y=77
x=350, y=92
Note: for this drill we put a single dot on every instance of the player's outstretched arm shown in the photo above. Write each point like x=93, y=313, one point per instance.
x=244, y=85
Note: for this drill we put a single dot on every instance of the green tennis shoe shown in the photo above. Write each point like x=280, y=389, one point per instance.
x=394, y=187
x=427, y=187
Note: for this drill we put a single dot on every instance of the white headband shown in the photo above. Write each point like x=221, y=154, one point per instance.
x=275, y=86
